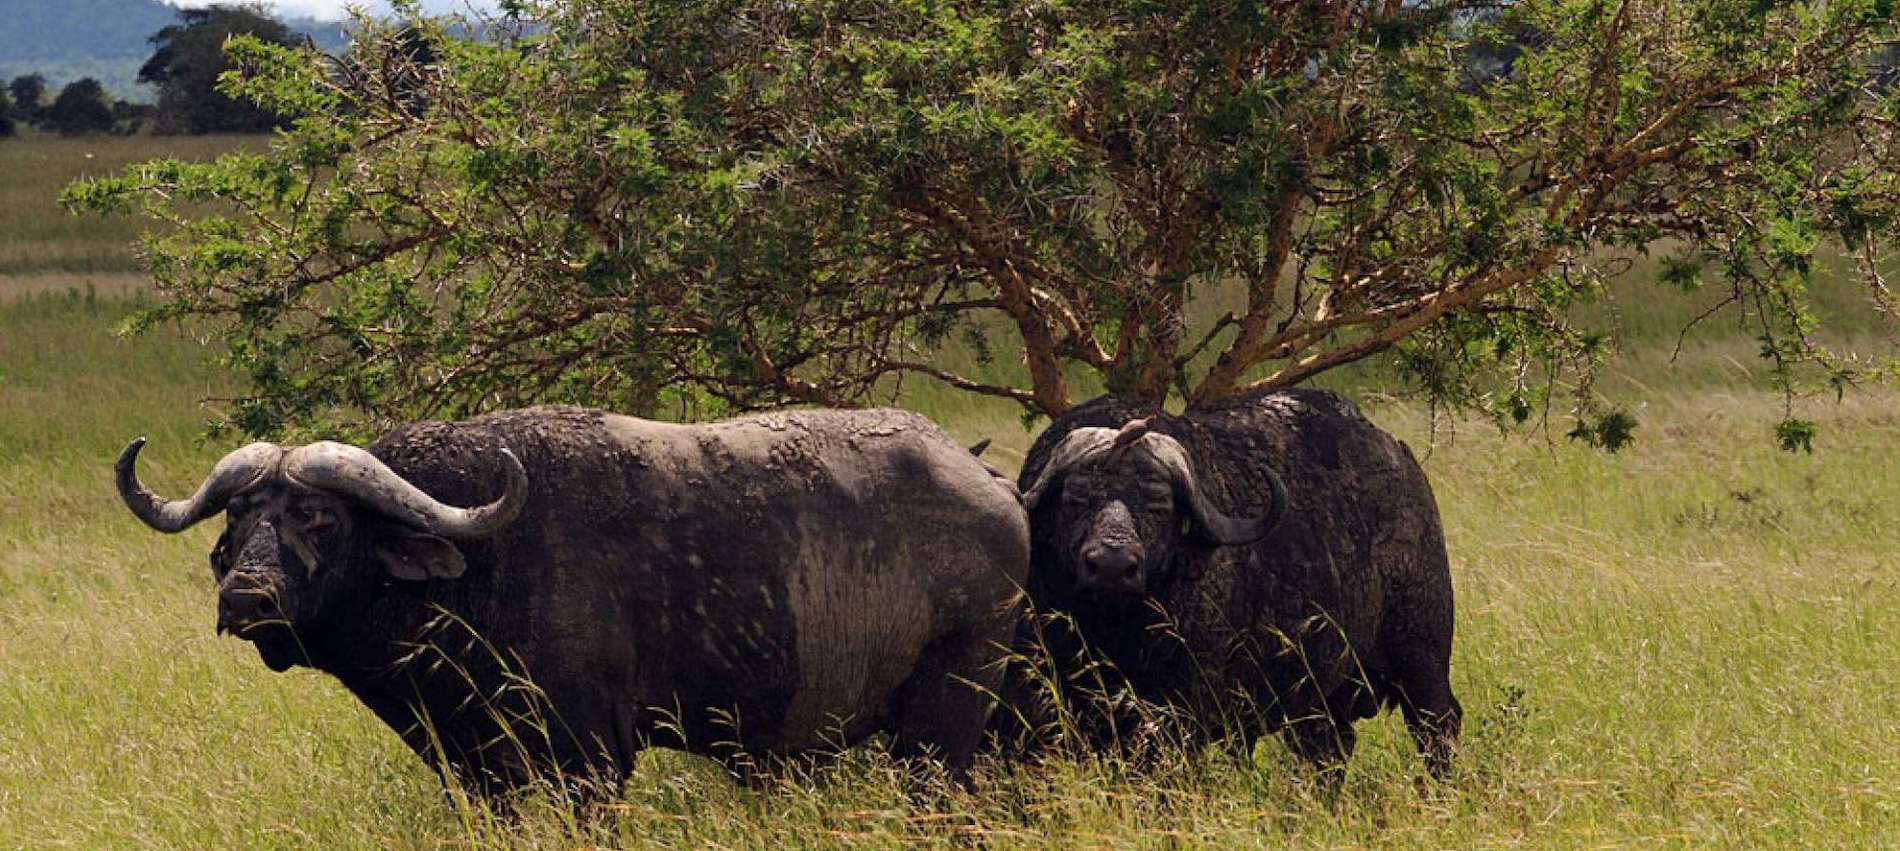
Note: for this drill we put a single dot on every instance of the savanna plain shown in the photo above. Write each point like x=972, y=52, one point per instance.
x=1690, y=642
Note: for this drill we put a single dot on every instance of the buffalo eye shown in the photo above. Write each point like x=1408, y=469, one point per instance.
x=311, y=519
x=1159, y=502
x=319, y=520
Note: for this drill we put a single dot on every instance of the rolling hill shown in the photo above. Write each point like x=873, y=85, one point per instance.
x=105, y=39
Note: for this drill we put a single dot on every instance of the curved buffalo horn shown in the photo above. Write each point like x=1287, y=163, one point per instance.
x=235, y=472
x=1211, y=523
x=1074, y=448
x=352, y=471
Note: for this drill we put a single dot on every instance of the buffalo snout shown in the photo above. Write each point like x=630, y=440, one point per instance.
x=1111, y=570
x=1112, y=554
x=247, y=601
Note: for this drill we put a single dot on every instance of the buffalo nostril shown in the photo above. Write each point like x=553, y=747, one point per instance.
x=1110, y=565
x=245, y=606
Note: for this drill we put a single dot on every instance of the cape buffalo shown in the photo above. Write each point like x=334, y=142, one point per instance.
x=782, y=584
x=1155, y=535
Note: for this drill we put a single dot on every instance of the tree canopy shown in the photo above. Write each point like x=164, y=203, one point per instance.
x=187, y=60
x=28, y=94
x=760, y=203
x=81, y=107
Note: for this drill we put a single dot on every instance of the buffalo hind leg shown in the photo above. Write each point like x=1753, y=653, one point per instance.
x=944, y=703
x=1431, y=710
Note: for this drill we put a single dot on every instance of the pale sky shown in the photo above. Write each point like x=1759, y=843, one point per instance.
x=335, y=9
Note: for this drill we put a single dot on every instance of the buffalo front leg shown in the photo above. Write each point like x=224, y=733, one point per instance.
x=1324, y=741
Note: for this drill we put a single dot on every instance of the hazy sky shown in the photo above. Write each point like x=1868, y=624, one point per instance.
x=334, y=9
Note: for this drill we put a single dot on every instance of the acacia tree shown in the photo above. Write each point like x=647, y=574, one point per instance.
x=777, y=202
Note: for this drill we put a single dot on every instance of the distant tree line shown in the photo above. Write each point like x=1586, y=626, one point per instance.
x=82, y=107
x=187, y=60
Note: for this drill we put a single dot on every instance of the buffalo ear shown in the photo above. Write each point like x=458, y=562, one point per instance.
x=416, y=556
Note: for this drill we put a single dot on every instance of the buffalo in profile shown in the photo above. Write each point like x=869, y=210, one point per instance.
x=776, y=585
x=1272, y=563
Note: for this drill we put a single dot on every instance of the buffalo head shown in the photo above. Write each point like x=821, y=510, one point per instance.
x=309, y=527
x=1117, y=504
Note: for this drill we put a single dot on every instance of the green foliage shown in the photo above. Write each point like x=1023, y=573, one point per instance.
x=1611, y=432
x=1796, y=435
x=189, y=60
x=700, y=207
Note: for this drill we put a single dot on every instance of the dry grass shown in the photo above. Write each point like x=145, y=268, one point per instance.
x=1688, y=643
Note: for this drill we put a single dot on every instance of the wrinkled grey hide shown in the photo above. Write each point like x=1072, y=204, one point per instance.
x=776, y=585
x=1344, y=606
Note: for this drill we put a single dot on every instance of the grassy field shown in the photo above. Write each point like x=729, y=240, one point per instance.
x=37, y=238
x=1689, y=643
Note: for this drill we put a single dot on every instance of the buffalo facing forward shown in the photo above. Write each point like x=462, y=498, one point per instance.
x=775, y=585
x=1320, y=593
